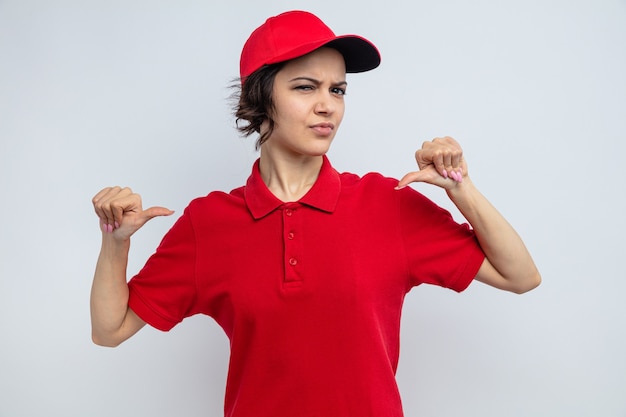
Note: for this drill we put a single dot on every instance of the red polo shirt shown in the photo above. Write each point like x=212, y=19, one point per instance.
x=309, y=293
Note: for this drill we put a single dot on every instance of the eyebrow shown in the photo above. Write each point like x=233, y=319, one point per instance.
x=317, y=82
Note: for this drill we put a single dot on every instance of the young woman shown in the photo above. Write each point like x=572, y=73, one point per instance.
x=303, y=267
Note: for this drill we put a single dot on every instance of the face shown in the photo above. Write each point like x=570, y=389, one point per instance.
x=309, y=104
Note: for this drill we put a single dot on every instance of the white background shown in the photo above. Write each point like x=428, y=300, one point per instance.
x=95, y=93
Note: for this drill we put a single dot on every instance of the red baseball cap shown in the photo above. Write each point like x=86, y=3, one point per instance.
x=296, y=33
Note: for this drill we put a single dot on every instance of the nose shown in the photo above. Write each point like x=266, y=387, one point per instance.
x=324, y=104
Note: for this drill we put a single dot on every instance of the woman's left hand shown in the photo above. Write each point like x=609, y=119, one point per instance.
x=508, y=265
x=440, y=163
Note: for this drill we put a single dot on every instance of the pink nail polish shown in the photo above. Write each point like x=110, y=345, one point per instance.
x=117, y=225
x=445, y=173
x=109, y=228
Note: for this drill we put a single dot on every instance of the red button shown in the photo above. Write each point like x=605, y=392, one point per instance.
x=289, y=212
x=290, y=235
x=293, y=261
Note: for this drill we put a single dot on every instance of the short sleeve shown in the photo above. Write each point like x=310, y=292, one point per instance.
x=164, y=292
x=439, y=250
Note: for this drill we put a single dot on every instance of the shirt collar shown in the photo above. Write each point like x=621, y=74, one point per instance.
x=323, y=195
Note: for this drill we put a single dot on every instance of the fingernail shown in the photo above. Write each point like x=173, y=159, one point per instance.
x=445, y=173
x=399, y=187
x=109, y=228
x=103, y=227
x=117, y=225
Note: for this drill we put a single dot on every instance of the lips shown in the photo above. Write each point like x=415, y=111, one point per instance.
x=323, y=129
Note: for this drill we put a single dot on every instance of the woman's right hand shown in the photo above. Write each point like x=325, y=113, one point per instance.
x=121, y=213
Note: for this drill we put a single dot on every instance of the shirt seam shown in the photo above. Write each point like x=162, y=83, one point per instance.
x=195, y=263
x=407, y=268
x=475, y=257
x=164, y=318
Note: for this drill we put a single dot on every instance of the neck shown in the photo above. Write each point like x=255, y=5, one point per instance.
x=289, y=178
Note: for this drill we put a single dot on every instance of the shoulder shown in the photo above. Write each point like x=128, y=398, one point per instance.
x=368, y=180
x=378, y=189
x=372, y=190
x=216, y=202
x=377, y=185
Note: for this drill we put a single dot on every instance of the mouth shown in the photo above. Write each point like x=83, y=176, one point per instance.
x=323, y=129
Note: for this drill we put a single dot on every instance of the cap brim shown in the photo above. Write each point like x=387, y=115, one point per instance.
x=359, y=53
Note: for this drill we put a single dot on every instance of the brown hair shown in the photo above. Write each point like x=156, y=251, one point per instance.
x=254, y=103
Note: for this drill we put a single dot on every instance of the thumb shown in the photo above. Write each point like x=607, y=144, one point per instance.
x=133, y=222
x=416, y=176
x=152, y=212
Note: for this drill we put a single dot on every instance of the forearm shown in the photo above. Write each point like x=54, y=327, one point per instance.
x=109, y=292
x=121, y=215
x=503, y=247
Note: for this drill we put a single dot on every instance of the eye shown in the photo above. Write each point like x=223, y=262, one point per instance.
x=304, y=87
x=338, y=91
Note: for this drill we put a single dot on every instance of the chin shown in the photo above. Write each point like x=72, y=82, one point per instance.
x=319, y=150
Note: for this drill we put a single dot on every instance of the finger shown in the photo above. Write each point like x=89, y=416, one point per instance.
x=110, y=204
x=459, y=171
x=103, y=225
x=448, y=168
x=124, y=201
x=452, y=155
x=102, y=204
x=153, y=212
x=451, y=141
x=457, y=157
x=97, y=200
x=437, y=153
x=416, y=176
x=441, y=162
x=422, y=155
x=157, y=211
x=100, y=194
x=457, y=165
x=452, y=146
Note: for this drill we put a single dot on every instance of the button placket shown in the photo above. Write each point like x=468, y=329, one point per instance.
x=292, y=244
